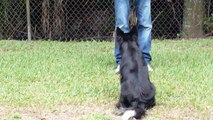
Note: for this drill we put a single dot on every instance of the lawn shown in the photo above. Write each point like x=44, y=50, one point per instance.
x=76, y=80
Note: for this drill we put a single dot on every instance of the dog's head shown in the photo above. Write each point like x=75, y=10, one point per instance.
x=126, y=38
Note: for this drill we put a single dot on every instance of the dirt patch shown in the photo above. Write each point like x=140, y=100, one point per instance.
x=62, y=112
x=76, y=112
x=161, y=112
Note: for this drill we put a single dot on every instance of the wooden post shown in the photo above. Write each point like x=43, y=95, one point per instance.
x=28, y=20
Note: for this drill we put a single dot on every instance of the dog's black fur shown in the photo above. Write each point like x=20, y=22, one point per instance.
x=137, y=92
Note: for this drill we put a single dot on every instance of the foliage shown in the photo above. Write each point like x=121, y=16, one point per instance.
x=208, y=25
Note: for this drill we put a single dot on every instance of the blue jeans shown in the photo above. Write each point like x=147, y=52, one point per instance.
x=144, y=24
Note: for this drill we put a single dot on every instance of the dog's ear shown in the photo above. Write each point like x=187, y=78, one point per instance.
x=119, y=35
x=119, y=32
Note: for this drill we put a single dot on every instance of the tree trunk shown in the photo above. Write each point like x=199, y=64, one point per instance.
x=193, y=19
x=57, y=22
x=46, y=19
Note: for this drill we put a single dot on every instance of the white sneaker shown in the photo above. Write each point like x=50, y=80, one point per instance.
x=149, y=68
x=117, y=70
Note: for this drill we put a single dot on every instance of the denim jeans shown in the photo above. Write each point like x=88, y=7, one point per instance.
x=144, y=25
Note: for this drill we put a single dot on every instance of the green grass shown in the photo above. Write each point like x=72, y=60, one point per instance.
x=184, y=72
x=48, y=73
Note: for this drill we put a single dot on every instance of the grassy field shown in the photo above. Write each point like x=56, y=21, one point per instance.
x=76, y=80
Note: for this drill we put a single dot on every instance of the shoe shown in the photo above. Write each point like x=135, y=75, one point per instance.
x=117, y=70
x=149, y=68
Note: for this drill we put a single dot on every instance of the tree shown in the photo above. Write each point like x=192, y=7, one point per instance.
x=193, y=19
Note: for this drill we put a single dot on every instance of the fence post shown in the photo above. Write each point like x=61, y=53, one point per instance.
x=28, y=19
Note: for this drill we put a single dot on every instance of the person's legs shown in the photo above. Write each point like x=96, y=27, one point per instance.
x=143, y=13
x=122, y=10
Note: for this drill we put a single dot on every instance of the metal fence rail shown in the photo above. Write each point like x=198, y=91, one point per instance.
x=94, y=19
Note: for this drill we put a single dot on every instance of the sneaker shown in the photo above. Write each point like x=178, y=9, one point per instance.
x=149, y=68
x=117, y=70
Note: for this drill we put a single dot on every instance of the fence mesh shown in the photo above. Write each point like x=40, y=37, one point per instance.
x=91, y=19
x=13, y=23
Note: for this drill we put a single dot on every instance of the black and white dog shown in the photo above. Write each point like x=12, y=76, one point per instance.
x=137, y=92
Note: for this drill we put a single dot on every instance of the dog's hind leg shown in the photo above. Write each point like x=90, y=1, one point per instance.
x=150, y=104
x=120, y=107
x=119, y=111
x=139, y=108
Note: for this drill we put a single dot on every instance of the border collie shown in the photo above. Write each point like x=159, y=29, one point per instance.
x=137, y=91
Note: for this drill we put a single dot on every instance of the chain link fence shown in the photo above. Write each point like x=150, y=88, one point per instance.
x=94, y=19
